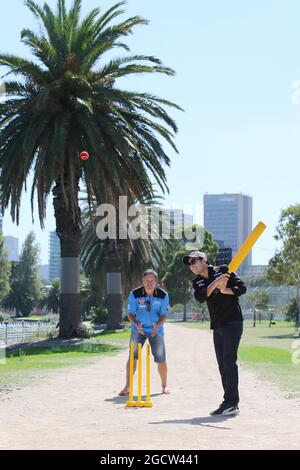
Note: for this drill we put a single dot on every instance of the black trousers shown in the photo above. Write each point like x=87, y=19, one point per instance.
x=226, y=341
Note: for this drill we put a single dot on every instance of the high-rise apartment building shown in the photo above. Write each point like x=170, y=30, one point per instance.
x=228, y=217
x=12, y=246
x=54, y=256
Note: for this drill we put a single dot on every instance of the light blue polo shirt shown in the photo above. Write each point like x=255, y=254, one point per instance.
x=159, y=305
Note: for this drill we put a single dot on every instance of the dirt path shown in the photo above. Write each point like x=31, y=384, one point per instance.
x=78, y=408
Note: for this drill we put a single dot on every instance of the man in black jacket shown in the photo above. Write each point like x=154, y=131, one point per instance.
x=220, y=291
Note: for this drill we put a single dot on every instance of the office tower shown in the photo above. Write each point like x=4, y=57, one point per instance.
x=54, y=256
x=179, y=218
x=12, y=246
x=228, y=217
x=44, y=272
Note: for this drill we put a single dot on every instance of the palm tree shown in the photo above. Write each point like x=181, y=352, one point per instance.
x=126, y=258
x=66, y=101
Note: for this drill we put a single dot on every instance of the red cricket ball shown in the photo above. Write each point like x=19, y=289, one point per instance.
x=84, y=156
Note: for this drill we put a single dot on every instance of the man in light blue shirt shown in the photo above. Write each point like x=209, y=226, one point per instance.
x=148, y=308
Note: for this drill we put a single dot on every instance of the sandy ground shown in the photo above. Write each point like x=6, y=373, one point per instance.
x=79, y=408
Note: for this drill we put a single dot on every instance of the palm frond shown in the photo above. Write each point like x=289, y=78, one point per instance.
x=61, y=104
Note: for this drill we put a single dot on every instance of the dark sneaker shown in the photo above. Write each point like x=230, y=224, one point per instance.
x=226, y=410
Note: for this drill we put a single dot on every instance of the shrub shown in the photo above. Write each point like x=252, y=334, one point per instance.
x=291, y=310
x=50, y=318
x=52, y=332
x=90, y=329
x=99, y=314
x=4, y=317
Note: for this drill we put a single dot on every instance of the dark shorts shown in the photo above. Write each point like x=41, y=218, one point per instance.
x=157, y=344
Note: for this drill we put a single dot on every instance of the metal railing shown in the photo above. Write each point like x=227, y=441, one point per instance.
x=21, y=332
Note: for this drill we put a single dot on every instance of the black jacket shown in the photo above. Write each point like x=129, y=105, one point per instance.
x=222, y=308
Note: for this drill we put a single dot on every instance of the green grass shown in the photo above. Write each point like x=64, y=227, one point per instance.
x=28, y=364
x=190, y=324
x=273, y=364
x=34, y=318
x=33, y=359
x=278, y=336
x=23, y=365
x=268, y=351
x=113, y=337
x=261, y=354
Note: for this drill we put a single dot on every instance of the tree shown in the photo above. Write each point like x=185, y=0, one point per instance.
x=291, y=311
x=5, y=268
x=284, y=267
x=25, y=283
x=67, y=101
x=52, y=298
x=176, y=275
x=254, y=281
x=178, y=281
x=130, y=258
x=259, y=300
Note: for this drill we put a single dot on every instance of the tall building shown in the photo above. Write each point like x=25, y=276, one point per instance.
x=179, y=218
x=224, y=256
x=228, y=217
x=163, y=221
x=12, y=246
x=44, y=272
x=54, y=256
x=257, y=270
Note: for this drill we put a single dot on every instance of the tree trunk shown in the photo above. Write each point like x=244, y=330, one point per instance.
x=114, y=288
x=298, y=308
x=114, y=301
x=254, y=317
x=68, y=226
x=184, y=311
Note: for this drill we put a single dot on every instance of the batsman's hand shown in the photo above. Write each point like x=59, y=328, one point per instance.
x=222, y=281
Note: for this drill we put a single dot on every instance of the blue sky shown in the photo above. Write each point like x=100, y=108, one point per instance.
x=235, y=64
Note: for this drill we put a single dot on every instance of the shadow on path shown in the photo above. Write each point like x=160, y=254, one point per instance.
x=119, y=400
x=286, y=336
x=206, y=421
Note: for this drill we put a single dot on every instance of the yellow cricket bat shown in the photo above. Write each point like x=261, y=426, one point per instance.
x=247, y=246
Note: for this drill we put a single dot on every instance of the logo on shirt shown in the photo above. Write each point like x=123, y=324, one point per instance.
x=141, y=302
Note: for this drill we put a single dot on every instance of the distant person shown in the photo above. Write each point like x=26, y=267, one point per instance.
x=221, y=291
x=148, y=308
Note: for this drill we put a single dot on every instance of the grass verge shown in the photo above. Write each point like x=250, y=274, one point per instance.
x=28, y=364
x=273, y=352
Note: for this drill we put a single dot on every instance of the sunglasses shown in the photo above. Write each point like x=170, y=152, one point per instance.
x=148, y=305
x=194, y=261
